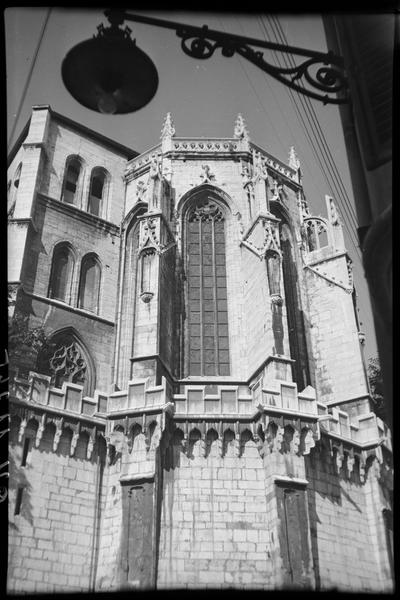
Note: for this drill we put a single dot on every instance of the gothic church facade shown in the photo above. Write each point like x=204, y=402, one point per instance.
x=195, y=412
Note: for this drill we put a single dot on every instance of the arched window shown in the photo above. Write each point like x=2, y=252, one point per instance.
x=208, y=341
x=147, y=260
x=98, y=182
x=61, y=273
x=129, y=296
x=70, y=188
x=297, y=339
x=65, y=359
x=89, y=284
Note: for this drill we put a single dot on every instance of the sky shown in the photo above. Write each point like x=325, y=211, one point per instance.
x=203, y=96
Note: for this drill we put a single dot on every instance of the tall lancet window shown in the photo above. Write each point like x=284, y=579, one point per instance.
x=89, y=285
x=61, y=273
x=71, y=178
x=97, y=192
x=297, y=339
x=208, y=341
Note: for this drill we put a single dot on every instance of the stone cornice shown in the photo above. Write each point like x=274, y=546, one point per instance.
x=27, y=221
x=202, y=148
x=67, y=414
x=77, y=213
x=79, y=311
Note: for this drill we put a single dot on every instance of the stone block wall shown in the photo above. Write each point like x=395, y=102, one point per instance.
x=215, y=529
x=64, y=140
x=335, y=353
x=52, y=539
x=56, y=223
x=96, y=335
x=343, y=542
x=135, y=460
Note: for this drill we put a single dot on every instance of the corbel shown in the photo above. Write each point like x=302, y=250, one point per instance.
x=295, y=442
x=22, y=427
x=350, y=462
x=75, y=436
x=308, y=441
x=337, y=454
x=361, y=466
x=59, y=428
x=91, y=442
x=156, y=437
x=39, y=433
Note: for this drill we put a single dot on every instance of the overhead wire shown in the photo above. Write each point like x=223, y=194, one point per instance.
x=29, y=76
x=278, y=105
x=307, y=101
x=337, y=183
x=314, y=141
x=256, y=93
x=312, y=130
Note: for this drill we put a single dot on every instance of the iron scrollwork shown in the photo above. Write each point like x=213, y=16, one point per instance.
x=329, y=76
x=201, y=43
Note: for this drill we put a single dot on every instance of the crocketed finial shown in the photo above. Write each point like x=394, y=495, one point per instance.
x=168, y=129
x=240, y=130
x=294, y=162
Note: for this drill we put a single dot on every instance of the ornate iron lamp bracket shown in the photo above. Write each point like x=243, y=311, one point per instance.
x=321, y=76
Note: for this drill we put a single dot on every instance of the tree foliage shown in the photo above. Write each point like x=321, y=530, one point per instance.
x=376, y=384
x=24, y=343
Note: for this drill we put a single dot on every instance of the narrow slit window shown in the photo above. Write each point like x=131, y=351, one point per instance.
x=71, y=182
x=61, y=274
x=25, y=452
x=18, y=501
x=96, y=193
x=147, y=259
x=89, y=286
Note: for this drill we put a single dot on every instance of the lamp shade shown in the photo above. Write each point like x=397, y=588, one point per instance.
x=110, y=74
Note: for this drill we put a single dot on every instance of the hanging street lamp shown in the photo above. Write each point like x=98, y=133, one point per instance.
x=110, y=74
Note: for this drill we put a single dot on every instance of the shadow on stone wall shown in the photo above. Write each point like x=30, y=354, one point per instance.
x=325, y=478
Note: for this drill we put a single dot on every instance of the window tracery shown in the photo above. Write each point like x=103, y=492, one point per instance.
x=208, y=351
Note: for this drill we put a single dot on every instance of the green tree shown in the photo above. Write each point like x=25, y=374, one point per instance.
x=376, y=385
x=24, y=344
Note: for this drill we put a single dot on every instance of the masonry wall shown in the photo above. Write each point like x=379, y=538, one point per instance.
x=342, y=540
x=96, y=335
x=51, y=541
x=215, y=529
x=335, y=352
x=63, y=141
x=259, y=337
x=55, y=223
x=135, y=461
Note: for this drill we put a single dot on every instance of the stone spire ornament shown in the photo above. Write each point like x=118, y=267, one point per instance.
x=294, y=162
x=240, y=131
x=167, y=133
x=168, y=129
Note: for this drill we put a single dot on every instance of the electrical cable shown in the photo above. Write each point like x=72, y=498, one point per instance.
x=311, y=108
x=332, y=183
x=357, y=264
x=29, y=77
x=278, y=104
